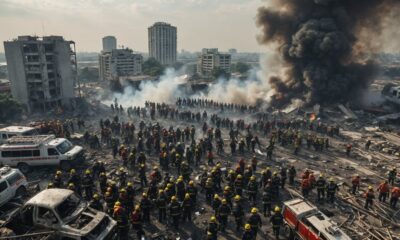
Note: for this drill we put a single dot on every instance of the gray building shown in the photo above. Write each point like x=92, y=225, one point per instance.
x=162, y=42
x=210, y=58
x=119, y=63
x=42, y=71
x=109, y=43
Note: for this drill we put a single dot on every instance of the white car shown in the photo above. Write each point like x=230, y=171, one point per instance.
x=12, y=184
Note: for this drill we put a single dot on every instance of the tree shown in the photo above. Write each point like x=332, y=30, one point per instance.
x=9, y=108
x=242, y=67
x=152, y=67
x=218, y=72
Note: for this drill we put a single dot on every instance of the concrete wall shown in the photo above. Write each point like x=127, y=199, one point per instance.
x=64, y=69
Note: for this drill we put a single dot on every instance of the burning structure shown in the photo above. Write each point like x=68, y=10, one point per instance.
x=325, y=56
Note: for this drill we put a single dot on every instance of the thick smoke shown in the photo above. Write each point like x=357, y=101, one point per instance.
x=324, y=46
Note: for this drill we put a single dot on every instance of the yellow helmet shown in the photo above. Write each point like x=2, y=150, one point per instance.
x=96, y=196
x=180, y=177
x=123, y=190
x=277, y=209
x=50, y=185
x=237, y=198
x=71, y=185
x=169, y=185
x=117, y=204
x=224, y=201
x=213, y=219
x=268, y=168
x=173, y=198
x=254, y=210
x=108, y=194
x=247, y=227
x=58, y=173
x=144, y=195
x=253, y=178
x=191, y=183
x=331, y=180
x=142, y=165
x=129, y=184
x=102, y=174
x=160, y=191
x=179, y=180
x=218, y=165
x=187, y=196
x=231, y=171
x=87, y=172
x=155, y=168
x=72, y=171
x=216, y=196
x=227, y=188
x=321, y=175
x=121, y=169
x=239, y=176
x=370, y=187
x=137, y=207
x=275, y=173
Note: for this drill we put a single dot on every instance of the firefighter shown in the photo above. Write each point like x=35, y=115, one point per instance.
x=87, y=184
x=252, y=189
x=331, y=189
x=254, y=221
x=180, y=188
x=76, y=180
x=228, y=194
x=267, y=200
x=50, y=185
x=209, y=188
x=369, y=197
x=145, y=206
x=96, y=203
x=103, y=182
x=394, y=198
x=238, y=212
x=162, y=205
x=136, y=221
x=187, y=208
x=392, y=176
x=277, y=221
x=247, y=235
x=321, y=186
x=239, y=184
x=305, y=187
x=216, y=203
x=192, y=190
x=212, y=228
x=175, y=212
x=108, y=198
x=120, y=215
x=223, y=212
x=383, y=191
x=71, y=187
x=142, y=175
x=130, y=194
x=57, y=181
x=355, y=184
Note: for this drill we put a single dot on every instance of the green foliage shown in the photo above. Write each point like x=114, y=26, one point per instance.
x=88, y=74
x=9, y=108
x=218, y=72
x=241, y=67
x=152, y=67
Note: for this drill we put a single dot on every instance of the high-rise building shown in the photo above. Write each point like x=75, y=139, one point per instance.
x=162, y=43
x=210, y=58
x=109, y=43
x=119, y=63
x=42, y=71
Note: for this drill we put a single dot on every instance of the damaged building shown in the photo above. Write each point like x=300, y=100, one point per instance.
x=42, y=71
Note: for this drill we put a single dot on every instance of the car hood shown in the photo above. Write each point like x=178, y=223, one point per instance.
x=74, y=151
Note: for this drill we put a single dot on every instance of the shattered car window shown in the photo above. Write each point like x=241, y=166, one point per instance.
x=68, y=207
x=64, y=147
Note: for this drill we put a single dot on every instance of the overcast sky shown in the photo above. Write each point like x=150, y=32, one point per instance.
x=201, y=23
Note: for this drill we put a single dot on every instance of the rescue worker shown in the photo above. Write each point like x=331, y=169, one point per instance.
x=87, y=184
x=162, y=205
x=175, y=212
x=321, y=186
x=254, y=221
x=247, y=235
x=187, y=208
x=239, y=184
x=394, y=198
x=392, y=176
x=348, y=149
x=216, y=203
x=57, y=181
x=192, y=190
x=355, y=184
x=305, y=187
x=277, y=221
x=136, y=221
x=369, y=197
x=238, y=212
x=223, y=212
x=120, y=215
x=142, y=175
x=103, y=182
x=383, y=190
x=212, y=228
x=96, y=203
x=108, y=198
x=76, y=180
x=145, y=206
x=252, y=189
x=331, y=189
x=292, y=175
x=267, y=201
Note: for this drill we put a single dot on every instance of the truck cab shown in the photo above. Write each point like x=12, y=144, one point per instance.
x=304, y=221
x=62, y=211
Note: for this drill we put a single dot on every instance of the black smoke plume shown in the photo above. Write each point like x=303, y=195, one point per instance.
x=326, y=59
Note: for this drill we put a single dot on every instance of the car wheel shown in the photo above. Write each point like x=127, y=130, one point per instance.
x=288, y=232
x=65, y=165
x=21, y=192
x=24, y=168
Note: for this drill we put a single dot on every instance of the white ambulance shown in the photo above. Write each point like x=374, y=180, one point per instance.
x=12, y=131
x=25, y=152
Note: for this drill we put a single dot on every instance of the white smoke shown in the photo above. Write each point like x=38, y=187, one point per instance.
x=254, y=90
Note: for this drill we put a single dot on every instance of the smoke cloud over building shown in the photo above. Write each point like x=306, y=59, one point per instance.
x=326, y=46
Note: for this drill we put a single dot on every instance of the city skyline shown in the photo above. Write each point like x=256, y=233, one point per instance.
x=202, y=23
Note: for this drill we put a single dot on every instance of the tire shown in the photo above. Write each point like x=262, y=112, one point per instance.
x=65, y=165
x=24, y=168
x=288, y=232
x=21, y=192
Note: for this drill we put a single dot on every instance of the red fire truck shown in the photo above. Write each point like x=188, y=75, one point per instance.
x=304, y=221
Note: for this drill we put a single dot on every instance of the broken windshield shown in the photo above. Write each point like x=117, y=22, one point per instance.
x=64, y=146
x=69, y=208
